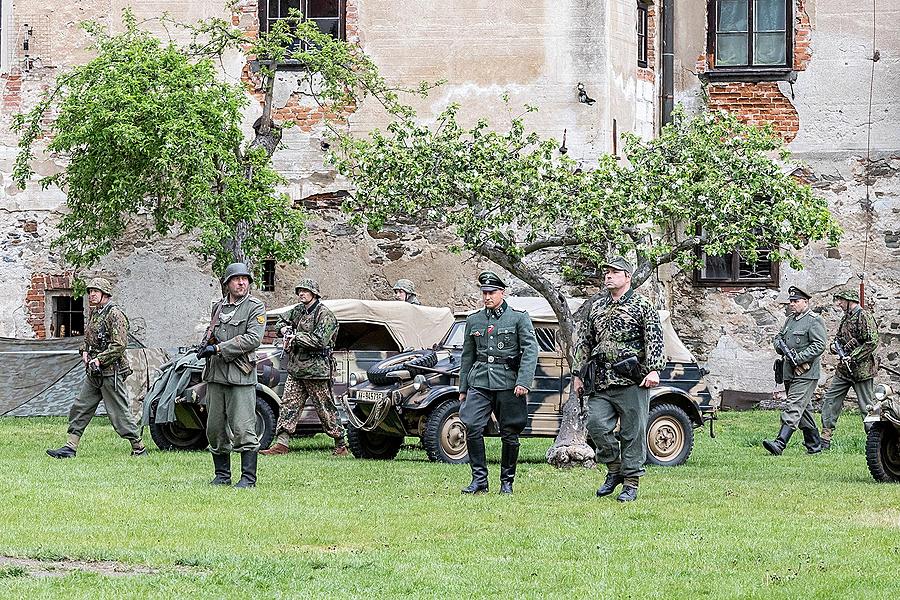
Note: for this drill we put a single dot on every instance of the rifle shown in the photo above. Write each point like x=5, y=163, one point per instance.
x=209, y=338
x=841, y=352
x=799, y=367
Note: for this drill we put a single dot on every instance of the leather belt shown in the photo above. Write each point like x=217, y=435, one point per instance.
x=486, y=359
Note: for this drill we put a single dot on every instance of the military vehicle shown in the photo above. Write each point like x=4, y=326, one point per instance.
x=417, y=394
x=369, y=332
x=883, y=434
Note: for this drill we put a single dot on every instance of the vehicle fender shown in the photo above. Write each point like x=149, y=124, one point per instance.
x=436, y=395
x=678, y=397
x=270, y=396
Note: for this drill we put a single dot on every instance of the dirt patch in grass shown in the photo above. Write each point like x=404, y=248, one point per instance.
x=881, y=518
x=14, y=566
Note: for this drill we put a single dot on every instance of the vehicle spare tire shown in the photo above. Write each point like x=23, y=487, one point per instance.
x=378, y=373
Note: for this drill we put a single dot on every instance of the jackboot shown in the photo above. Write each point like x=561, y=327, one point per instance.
x=509, y=455
x=64, y=452
x=778, y=445
x=248, y=469
x=222, y=467
x=812, y=441
x=478, y=462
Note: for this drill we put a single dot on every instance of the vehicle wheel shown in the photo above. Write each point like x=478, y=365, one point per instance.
x=174, y=435
x=265, y=423
x=377, y=446
x=445, y=434
x=883, y=452
x=670, y=435
x=378, y=373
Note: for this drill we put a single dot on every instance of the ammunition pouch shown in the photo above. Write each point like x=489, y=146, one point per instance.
x=514, y=362
x=630, y=368
x=778, y=367
x=588, y=376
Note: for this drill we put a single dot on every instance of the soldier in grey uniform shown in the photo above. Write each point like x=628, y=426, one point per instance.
x=236, y=327
x=405, y=291
x=103, y=354
x=496, y=370
x=800, y=342
x=620, y=353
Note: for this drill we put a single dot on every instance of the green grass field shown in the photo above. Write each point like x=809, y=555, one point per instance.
x=733, y=522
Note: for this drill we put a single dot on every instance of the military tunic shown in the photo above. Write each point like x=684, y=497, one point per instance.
x=613, y=331
x=309, y=368
x=858, y=335
x=804, y=334
x=494, y=338
x=105, y=339
x=231, y=376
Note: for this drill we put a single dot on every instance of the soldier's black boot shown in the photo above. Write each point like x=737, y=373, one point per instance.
x=778, y=445
x=478, y=462
x=64, y=452
x=613, y=480
x=222, y=464
x=248, y=470
x=629, y=493
x=508, y=458
x=812, y=441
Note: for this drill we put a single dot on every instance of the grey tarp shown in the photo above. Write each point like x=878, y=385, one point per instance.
x=173, y=380
x=43, y=377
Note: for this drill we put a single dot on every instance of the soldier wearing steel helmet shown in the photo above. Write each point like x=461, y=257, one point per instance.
x=855, y=345
x=405, y=291
x=103, y=354
x=236, y=330
x=801, y=343
x=310, y=330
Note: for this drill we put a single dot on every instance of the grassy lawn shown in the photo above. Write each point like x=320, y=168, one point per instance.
x=733, y=522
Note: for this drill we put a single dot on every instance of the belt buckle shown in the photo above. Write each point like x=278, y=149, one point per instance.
x=490, y=359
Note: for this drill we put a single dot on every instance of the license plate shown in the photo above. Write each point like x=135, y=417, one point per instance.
x=370, y=396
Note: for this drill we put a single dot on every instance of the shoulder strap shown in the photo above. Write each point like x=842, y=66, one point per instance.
x=215, y=317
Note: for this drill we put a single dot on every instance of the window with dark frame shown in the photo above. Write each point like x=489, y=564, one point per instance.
x=750, y=34
x=642, y=38
x=268, y=276
x=328, y=15
x=734, y=270
x=68, y=316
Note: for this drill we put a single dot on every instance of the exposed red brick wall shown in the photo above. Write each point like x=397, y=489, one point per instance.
x=36, y=298
x=802, y=32
x=757, y=104
x=12, y=91
x=648, y=73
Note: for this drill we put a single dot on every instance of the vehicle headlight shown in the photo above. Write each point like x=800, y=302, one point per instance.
x=353, y=379
x=418, y=382
x=882, y=391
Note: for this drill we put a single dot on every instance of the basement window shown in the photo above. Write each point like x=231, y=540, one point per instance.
x=642, y=38
x=733, y=270
x=268, y=276
x=749, y=37
x=68, y=316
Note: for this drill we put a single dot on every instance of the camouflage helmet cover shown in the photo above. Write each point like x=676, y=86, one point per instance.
x=234, y=270
x=310, y=285
x=405, y=285
x=100, y=283
x=848, y=294
x=618, y=263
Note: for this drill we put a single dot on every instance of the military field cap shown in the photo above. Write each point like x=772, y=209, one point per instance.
x=490, y=281
x=99, y=283
x=235, y=270
x=310, y=285
x=405, y=285
x=795, y=293
x=619, y=264
x=848, y=294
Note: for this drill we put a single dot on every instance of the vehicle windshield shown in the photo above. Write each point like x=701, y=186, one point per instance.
x=454, y=339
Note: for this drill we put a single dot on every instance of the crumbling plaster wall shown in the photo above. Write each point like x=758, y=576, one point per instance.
x=731, y=329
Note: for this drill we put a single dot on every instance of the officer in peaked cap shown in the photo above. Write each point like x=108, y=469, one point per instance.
x=497, y=368
x=103, y=354
x=237, y=325
x=855, y=344
x=309, y=330
x=801, y=343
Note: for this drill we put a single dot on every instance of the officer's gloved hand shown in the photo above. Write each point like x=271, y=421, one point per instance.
x=206, y=352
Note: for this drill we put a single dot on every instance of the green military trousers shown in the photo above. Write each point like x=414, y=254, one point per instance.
x=112, y=391
x=837, y=392
x=799, y=394
x=629, y=407
x=231, y=424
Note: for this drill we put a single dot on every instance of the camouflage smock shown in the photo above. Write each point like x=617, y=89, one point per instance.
x=106, y=337
x=858, y=335
x=315, y=331
x=618, y=329
x=238, y=333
